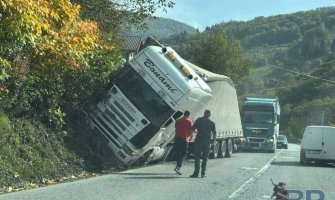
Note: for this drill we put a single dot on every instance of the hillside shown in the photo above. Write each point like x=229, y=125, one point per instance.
x=297, y=51
x=162, y=28
x=299, y=40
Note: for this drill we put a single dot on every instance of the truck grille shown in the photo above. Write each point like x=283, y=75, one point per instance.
x=106, y=130
x=256, y=140
x=112, y=121
x=254, y=131
x=112, y=116
x=125, y=113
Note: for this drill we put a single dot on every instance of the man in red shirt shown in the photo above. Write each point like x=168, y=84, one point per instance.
x=182, y=138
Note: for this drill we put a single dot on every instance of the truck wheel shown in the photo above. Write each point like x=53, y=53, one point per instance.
x=302, y=160
x=215, y=150
x=274, y=148
x=222, y=149
x=169, y=154
x=229, y=148
x=143, y=159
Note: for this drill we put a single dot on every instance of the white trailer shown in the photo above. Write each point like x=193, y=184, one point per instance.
x=225, y=112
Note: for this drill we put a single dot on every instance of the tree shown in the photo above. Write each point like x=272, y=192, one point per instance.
x=50, y=59
x=315, y=42
x=217, y=53
x=113, y=14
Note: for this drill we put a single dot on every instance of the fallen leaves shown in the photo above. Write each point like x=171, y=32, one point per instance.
x=44, y=182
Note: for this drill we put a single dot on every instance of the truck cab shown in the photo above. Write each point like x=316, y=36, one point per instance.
x=145, y=97
x=260, y=121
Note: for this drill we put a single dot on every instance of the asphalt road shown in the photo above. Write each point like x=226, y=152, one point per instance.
x=244, y=176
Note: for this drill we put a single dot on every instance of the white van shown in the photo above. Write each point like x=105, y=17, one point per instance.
x=318, y=144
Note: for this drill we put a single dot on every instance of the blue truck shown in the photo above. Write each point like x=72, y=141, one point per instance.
x=260, y=122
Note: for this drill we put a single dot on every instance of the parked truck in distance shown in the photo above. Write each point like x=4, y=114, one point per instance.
x=260, y=121
x=136, y=115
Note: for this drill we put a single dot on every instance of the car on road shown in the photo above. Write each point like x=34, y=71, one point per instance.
x=282, y=142
x=318, y=145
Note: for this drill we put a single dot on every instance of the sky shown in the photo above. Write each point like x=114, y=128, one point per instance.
x=202, y=13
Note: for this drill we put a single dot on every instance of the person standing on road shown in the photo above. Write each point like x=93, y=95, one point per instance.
x=205, y=130
x=183, y=128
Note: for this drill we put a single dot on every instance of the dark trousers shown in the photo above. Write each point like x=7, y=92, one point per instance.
x=201, y=150
x=180, y=146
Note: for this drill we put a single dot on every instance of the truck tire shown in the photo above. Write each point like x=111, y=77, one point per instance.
x=230, y=147
x=222, y=149
x=169, y=154
x=274, y=148
x=143, y=159
x=304, y=161
x=214, y=150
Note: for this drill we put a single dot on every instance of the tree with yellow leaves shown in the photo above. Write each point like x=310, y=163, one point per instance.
x=50, y=59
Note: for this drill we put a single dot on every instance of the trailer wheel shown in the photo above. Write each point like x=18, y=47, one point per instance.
x=230, y=147
x=215, y=150
x=222, y=149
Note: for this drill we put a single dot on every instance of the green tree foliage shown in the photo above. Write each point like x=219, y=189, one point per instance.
x=312, y=102
x=112, y=14
x=217, y=53
x=314, y=43
x=163, y=28
x=50, y=59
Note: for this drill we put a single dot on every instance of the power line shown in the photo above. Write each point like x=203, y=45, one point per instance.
x=302, y=74
x=296, y=72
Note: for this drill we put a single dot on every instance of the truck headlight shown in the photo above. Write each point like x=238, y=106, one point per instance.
x=269, y=140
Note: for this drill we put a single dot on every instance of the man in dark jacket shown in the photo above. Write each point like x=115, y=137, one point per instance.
x=205, y=130
x=182, y=138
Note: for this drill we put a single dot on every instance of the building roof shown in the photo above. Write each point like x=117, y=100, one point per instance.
x=131, y=43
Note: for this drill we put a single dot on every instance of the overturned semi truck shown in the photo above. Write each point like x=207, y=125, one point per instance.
x=137, y=113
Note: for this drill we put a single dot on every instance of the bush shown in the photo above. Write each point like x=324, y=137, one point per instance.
x=30, y=152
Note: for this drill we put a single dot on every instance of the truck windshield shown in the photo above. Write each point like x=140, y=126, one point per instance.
x=143, y=96
x=257, y=117
x=267, y=108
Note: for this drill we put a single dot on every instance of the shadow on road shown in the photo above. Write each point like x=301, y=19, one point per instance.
x=155, y=177
x=254, y=151
x=151, y=175
x=296, y=163
x=145, y=174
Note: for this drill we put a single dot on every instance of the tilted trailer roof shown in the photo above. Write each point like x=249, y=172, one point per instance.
x=223, y=105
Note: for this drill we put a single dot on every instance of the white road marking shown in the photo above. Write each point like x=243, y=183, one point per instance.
x=287, y=157
x=244, y=186
x=249, y=168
